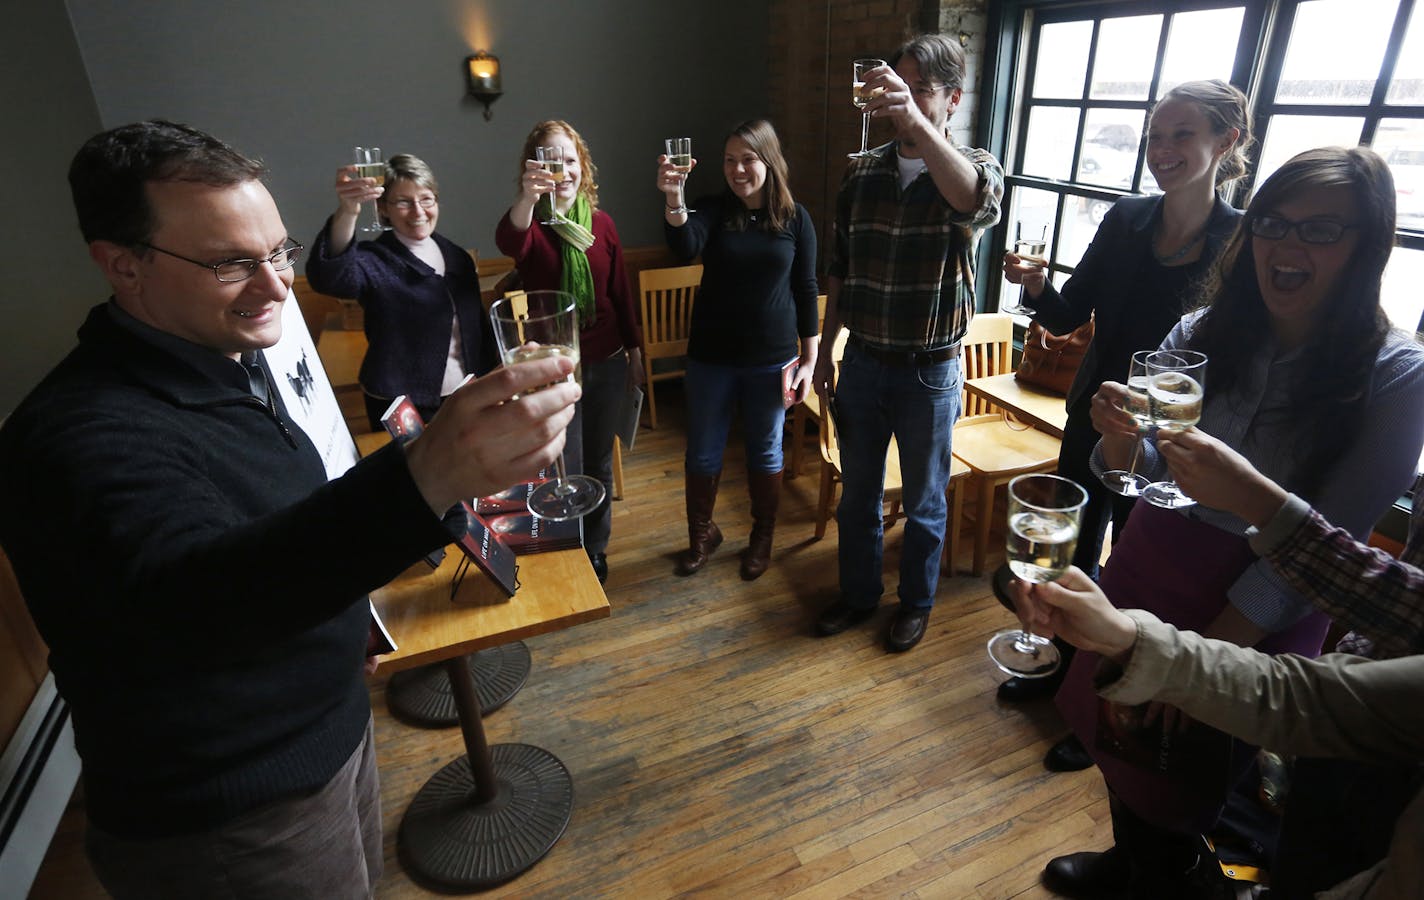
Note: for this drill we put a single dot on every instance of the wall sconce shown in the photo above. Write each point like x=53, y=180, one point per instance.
x=482, y=79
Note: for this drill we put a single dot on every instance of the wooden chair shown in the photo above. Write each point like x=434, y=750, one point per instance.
x=317, y=308
x=995, y=449
x=831, y=459
x=667, y=296
x=810, y=407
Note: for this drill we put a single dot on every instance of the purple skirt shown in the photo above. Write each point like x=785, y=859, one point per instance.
x=1179, y=570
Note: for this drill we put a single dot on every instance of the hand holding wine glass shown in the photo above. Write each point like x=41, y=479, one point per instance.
x=1126, y=481
x=679, y=156
x=1176, y=381
x=550, y=161
x=1045, y=512
x=1028, y=255
x=539, y=325
x=860, y=95
x=371, y=165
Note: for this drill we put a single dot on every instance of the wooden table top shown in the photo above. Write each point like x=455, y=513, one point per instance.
x=556, y=590
x=1042, y=409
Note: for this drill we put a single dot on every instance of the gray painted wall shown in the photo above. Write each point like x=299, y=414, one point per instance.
x=48, y=282
x=298, y=83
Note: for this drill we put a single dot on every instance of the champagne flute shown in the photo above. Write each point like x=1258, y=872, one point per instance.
x=679, y=153
x=370, y=164
x=1030, y=250
x=551, y=160
x=535, y=325
x=1126, y=481
x=860, y=97
x=1176, y=381
x=1045, y=512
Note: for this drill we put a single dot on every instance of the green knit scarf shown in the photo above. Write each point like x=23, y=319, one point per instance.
x=577, y=234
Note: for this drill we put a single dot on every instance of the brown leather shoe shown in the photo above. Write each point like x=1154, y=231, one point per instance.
x=906, y=629
x=840, y=615
x=765, y=488
x=703, y=535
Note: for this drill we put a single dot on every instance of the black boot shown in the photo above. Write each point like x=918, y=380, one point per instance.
x=703, y=535
x=765, y=488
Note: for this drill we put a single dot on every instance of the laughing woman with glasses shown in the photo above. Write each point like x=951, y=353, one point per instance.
x=419, y=291
x=1308, y=381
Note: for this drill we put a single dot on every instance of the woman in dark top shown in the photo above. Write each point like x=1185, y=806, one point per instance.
x=1136, y=277
x=755, y=313
x=583, y=256
x=420, y=292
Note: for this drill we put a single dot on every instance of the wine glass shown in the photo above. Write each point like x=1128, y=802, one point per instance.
x=370, y=164
x=1030, y=250
x=1176, y=380
x=551, y=160
x=1044, y=515
x=535, y=325
x=860, y=96
x=1126, y=481
x=679, y=153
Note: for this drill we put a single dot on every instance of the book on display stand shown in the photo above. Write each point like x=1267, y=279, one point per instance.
x=476, y=540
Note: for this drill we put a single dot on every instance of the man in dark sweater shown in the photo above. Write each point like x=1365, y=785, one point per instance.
x=199, y=582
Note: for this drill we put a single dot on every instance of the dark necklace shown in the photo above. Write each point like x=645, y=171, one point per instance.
x=1169, y=258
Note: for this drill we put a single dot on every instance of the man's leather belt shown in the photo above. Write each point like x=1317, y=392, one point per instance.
x=906, y=357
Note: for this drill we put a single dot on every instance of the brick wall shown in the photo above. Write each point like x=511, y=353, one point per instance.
x=810, y=46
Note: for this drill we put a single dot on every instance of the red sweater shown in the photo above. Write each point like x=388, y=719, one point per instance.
x=536, y=254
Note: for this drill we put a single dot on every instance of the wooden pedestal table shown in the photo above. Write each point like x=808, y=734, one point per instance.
x=494, y=812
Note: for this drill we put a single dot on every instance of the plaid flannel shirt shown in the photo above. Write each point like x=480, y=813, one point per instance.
x=906, y=258
x=1363, y=587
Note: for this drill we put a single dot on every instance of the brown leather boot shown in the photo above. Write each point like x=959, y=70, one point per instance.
x=765, y=488
x=703, y=535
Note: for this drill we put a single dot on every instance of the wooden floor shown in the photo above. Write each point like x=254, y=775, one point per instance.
x=717, y=749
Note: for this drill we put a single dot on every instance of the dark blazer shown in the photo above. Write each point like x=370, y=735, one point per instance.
x=1106, y=280
x=407, y=312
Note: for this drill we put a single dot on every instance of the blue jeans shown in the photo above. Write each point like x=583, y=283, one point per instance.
x=918, y=405
x=713, y=394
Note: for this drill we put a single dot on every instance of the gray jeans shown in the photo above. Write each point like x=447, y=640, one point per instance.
x=325, y=846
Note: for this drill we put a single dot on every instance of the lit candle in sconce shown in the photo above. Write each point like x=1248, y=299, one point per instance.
x=483, y=79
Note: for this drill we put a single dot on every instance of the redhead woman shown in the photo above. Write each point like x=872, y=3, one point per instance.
x=580, y=254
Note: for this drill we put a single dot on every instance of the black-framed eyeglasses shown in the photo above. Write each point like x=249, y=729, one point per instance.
x=1311, y=231
x=230, y=270
x=406, y=205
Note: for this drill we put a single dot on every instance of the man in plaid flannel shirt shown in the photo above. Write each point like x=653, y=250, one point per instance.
x=901, y=281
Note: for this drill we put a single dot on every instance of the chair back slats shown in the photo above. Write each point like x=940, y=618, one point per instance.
x=988, y=349
x=666, y=307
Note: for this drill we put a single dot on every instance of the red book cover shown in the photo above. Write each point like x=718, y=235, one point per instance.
x=788, y=378
x=523, y=532
x=476, y=540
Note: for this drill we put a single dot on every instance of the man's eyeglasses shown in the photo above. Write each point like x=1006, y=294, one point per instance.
x=1311, y=231
x=405, y=205
x=230, y=270
x=928, y=90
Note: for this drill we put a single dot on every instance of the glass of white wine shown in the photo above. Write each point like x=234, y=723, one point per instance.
x=536, y=325
x=1176, y=382
x=679, y=153
x=860, y=97
x=1031, y=250
x=1126, y=481
x=551, y=160
x=1045, y=512
x=371, y=164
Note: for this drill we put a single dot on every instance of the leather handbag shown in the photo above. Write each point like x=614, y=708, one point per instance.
x=1051, y=361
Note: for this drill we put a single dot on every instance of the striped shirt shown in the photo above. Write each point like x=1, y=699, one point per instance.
x=1364, y=588
x=1252, y=418
x=906, y=258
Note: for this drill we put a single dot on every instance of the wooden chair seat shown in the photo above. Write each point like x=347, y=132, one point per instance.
x=994, y=449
